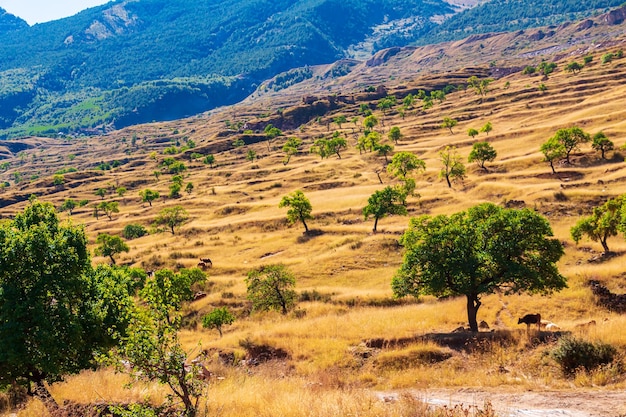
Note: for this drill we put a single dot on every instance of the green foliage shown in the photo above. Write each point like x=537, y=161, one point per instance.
x=172, y=217
x=121, y=191
x=575, y=354
x=460, y=255
x=384, y=150
x=573, y=67
x=339, y=120
x=110, y=245
x=68, y=205
x=271, y=288
x=602, y=224
x=546, y=68
x=166, y=291
x=53, y=319
x=58, y=180
x=370, y=122
x=571, y=139
x=299, y=208
x=101, y=192
x=189, y=188
x=448, y=123
x=175, y=188
x=291, y=147
x=481, y=153
x=134, y=231
x=453, y=169
x=325, y=147
x=209, y=160
x=251, y=155
x=388, y=201
x=553, y=150
x=607, y=58
x=488, y=127
x=148, y=196
x=404, y=163
x=472, y=132
x=394, y=134
x=529, y=70
x=480, y=86
x=602, y=144
x=587, y=59
x=218, y=318
x=109, y=207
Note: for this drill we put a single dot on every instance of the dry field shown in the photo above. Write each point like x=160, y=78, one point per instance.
x=235, y=221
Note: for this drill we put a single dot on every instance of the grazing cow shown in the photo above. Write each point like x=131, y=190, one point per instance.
x=202, y=265
x=207, y=262
x=531, y=319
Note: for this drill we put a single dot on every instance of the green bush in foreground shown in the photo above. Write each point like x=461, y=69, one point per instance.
x=573, y=354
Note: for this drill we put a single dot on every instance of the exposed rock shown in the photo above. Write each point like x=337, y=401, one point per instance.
x=606, y=299
x=615, y=17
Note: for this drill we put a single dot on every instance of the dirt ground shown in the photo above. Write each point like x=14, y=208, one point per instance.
x=574, y=403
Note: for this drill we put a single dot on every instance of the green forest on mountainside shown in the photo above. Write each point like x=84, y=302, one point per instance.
x=131, y=62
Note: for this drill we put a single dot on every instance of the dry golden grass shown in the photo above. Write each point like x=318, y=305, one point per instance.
x=235, y=220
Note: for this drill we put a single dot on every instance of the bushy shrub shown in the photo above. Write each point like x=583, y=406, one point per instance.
x=133, y=231
x=573, y=354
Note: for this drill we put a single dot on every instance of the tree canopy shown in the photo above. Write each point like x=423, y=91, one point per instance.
x=271, y=288
x=389, y=200
x=299, y=208
x=477, y=252
x=603, y=223
x=54, y=310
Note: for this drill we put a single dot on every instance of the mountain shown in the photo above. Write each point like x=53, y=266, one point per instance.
x=134, y=61
x=9, y=23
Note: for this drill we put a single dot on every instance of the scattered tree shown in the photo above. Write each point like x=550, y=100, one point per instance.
x=339, y=120
x=448, y=123
x=251, y=155
x=453, y=169
x=553, y=151
x=602, y=144
x=573, y=67
x=571, y=139
x=172, y=217
x=462, y=255
x=218, y=318
x=472, y=132
x=209, y=160
x=394, y=134
x=69, y=205
x=299, y=208
x=481, y=153
x=271, y=133
x=389, y=200
x=148, y=196
x=384, y=150
x=110, y=245
x=133, y=231
x=291, y=147
x=603, y=223
x=488, y=127
x=101, y=192
x=109, y=207
x=480, y=86
x=189, y=188
x=271, y=288
x=370, y=122
x=403, y=163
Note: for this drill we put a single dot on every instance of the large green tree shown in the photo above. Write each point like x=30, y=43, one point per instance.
x=299, y=208
x=271, y=288
x=148, y=196
x=552, y=151
x=571, y=139
x=55, y=312
x=482, y=152
x=389, y=200
x=109, y=245
x=600, y=143
x=452, y=169
x=479, y=251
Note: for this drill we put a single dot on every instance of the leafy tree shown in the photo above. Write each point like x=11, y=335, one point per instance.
x=121, y=191
x=299, y=208
x=177, y=168
x=209, y=160
x=370, y=122
x=552, y=150
x=291, y=147
x=602, y=144
x=371, y=141
x=101, y=192
x=166, y=291
x=448, y=123
x=251, y=155
x=603, y=223
x=587, y=59
x=488, y=127
x=438, y=95
x=409, y=101
x=480, y=251
x=109, y=207
x=238, y=143
x=55, y=312
x=326, y=147
x=58, y=180
x=394, y=134
x=271, y=133
x=271, y=288
x=389, y=200
x=218, y=318
x=480, y=86
x=148, y=196
x=481, y=153
x=175, y=188
x=172, y=217
x=529, y=70
x=339, y=120
x=156, y=174
x=195, y=155
x=571, y=139
x=110, y=245
x=453, y=169
x=546, y=68
x=607, y=58
x=472, y=132
x=189, y=188
x=384, y=150
x=403, y=163
x=69, y=205
x=133, y=231
x=573, y=67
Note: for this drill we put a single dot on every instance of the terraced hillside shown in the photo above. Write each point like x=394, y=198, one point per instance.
x=344, y=268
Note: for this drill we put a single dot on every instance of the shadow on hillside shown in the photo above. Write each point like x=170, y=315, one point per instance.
x=306, y=236
x=468, y=341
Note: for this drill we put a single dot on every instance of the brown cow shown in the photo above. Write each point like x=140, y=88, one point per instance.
x=531, y=319
x=207, y=262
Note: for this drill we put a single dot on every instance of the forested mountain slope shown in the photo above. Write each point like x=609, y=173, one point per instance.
x=130, y=62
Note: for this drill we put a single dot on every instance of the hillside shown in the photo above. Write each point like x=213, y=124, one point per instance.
x=132, y=62
x=349, y=339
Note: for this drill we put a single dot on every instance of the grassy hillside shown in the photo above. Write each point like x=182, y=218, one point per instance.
x=343, y=271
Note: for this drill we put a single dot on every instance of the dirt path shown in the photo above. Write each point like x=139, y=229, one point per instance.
x=574, y=403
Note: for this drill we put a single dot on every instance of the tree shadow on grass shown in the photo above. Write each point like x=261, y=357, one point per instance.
x=306, y=236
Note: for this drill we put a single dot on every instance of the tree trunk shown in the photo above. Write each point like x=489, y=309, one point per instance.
x=112, y=260
x=41, y=392
x=552, y=166
x=473, y=304
x=605, y=246
x=306, y=228
x=448, y=181
x=375, y=224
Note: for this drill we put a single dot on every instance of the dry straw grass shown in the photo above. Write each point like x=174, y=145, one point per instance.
x=235, y=220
